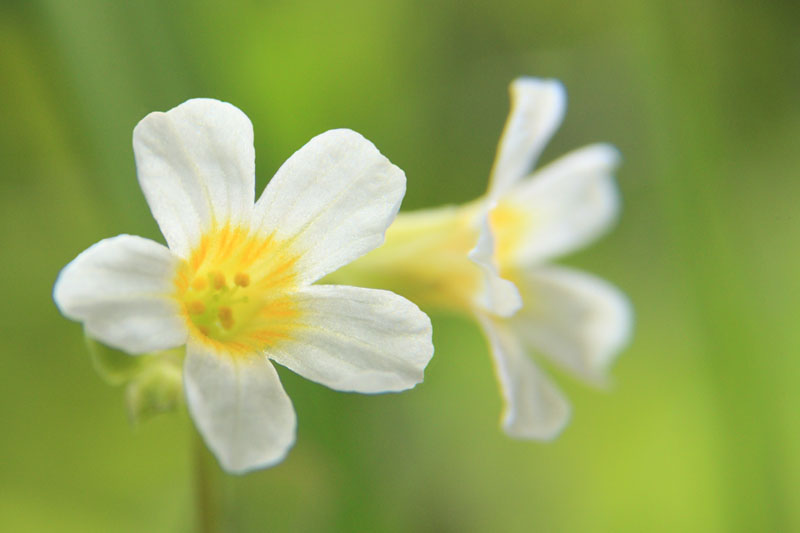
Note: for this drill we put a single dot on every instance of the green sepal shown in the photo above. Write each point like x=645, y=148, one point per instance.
x=153, y=381
x=157, y=389
x=114, y=366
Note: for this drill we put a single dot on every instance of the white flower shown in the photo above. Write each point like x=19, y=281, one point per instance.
x=580, y=322
x=490, y=258
x=235, y=284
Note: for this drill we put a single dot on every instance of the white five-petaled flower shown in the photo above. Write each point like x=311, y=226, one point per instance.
x=577, y=320
x=490, y=258
x=235, y=283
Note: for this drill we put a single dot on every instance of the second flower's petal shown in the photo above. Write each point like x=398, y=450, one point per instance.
x=537, y=108
x=354, y=339
x=571, y=202
x=534, y=407
x=332, y=200
x=240, y=408
x=123, y=290
x=577, y=320
x=497, y=295
x=196, y=166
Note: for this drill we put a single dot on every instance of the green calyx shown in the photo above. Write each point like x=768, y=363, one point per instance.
x=152, y=381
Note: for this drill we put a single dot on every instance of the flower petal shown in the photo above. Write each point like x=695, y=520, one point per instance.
x=499, y=296
x=577, y=320
x=534, y=407
x=354, y=339
x=333, y=199
x=122, y=289
x=196, y=166
x=572, y=201
x=239, y=407
x=537, y=108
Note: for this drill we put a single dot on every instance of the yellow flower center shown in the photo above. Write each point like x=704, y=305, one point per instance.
x=236, y=290
x=510, y=224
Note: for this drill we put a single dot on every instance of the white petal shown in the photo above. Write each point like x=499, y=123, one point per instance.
x=579, y=321
x=498, y=296
x=572, y=201
x=537, y=108
x=196, y=166
x=123, y=289
x=355, y=339
x=534, y=407
x=240, y=408
x=333, y=199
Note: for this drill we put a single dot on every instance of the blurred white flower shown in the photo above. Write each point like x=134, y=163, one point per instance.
x=235, y=285
x=580, y=322
x=490, y=258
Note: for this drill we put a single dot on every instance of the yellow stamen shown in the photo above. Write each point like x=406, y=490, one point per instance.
x=218, y=280
x=235, y=289
x=196, y=307
x=226, y=317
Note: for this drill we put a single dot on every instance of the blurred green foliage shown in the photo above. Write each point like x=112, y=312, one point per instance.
x=700, y=432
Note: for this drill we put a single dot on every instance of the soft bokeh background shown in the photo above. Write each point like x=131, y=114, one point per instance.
x=701, y=431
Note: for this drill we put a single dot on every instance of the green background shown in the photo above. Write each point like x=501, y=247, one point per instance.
x=700, y=431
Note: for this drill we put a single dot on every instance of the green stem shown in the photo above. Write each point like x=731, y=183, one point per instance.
x=206, y=495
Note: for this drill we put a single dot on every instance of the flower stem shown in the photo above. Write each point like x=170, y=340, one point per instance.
x=206, y=494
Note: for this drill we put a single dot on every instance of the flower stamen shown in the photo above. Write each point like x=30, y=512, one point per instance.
x=225, y=316
x=235, y=297
x=196, y=307
x=217, y=280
